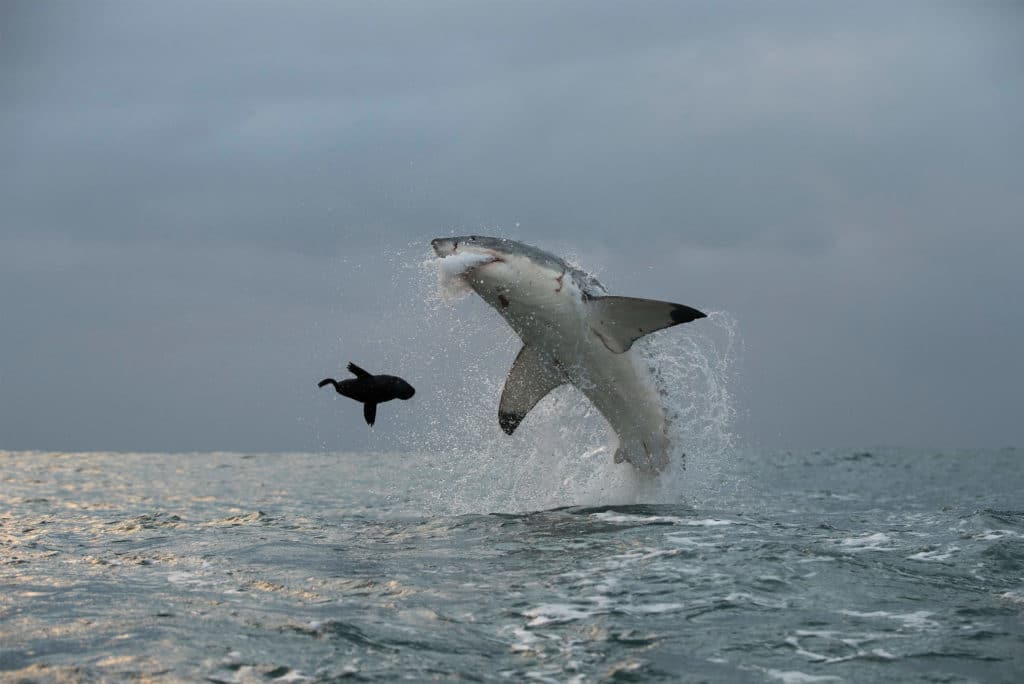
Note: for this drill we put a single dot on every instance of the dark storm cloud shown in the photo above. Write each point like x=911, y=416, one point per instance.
x=200, y=199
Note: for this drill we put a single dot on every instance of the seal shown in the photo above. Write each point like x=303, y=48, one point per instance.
x=370, y=389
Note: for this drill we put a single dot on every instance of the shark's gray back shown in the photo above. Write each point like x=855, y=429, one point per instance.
x=587, y=284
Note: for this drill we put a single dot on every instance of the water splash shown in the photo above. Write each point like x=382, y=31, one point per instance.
x=450, y=285
x=562, y=453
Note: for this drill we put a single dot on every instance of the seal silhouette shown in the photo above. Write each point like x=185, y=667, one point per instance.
x=370, y=389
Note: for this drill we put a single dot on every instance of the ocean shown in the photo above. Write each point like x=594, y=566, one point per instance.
x=877, y=565
x=451, y=551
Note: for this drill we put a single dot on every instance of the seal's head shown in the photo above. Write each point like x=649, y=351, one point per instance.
x=403, y=390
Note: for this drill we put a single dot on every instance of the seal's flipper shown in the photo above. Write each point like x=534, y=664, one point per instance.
x=621, y=321
x=531, y=377
x=370, y=412
x=357, y=371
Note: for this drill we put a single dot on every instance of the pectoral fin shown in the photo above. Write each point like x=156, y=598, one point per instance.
x=370, y=412
x=621, y=321
x=529, y=380
x=357, y=371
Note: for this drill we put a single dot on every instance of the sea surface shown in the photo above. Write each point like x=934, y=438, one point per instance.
x=826, y=566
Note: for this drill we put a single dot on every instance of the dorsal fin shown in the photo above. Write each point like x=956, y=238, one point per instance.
x=531, y=377
x=357, y=371
x=621, y=321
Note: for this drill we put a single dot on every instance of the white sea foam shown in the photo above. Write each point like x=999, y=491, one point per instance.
x=555, y=613
x=690, y=542
x=877, y=541
x=450, y=269
x=797, y=677
x=654, y=608
x=626, y=518
x=918, y=620
x=708, y=522
x=840, y=647
x=742, y=598
x=182, y=577
x=995, y=535
x=1012, y=596
x=935, y=555
x=640, y=555
x=818, y=559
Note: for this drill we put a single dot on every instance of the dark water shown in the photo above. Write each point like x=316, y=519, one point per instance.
x=833, y=566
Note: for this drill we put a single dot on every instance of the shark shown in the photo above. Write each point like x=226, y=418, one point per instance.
x=573, y=332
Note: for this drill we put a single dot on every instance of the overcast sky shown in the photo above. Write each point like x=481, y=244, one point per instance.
x=207, y=207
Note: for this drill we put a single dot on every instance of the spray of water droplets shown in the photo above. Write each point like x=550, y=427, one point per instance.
x=562, y=454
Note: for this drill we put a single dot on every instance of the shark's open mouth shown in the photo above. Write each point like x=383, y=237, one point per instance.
x=459, y=264
x=452, y=269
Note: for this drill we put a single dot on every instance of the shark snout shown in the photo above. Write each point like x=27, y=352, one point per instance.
x=443, y=246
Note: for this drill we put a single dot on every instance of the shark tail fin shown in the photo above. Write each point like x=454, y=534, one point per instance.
x=649, y=455
x=620, y=321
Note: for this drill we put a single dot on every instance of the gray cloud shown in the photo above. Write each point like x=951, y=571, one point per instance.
x=204, y=200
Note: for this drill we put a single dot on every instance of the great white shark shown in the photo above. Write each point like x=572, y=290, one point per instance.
x=573, y=332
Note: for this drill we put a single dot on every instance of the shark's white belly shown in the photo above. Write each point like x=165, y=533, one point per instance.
x=554, y=319
x=625, y=396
